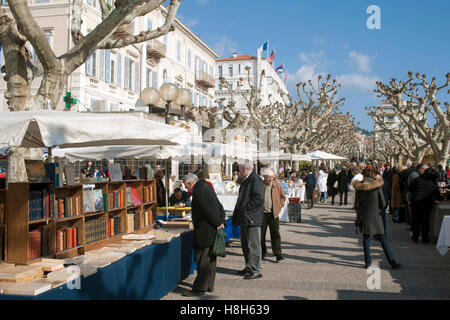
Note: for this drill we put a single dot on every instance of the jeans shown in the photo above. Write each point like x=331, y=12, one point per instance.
x=395, y=215
x=323, y=196
x=384, y=244
x=383, y=218
x=310, y=194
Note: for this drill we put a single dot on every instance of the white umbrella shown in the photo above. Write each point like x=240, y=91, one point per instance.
x=321, y=155
x=37, y=129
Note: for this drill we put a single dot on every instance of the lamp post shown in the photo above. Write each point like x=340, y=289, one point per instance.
x=184, y=100
x=150, y=96
x=169, y=93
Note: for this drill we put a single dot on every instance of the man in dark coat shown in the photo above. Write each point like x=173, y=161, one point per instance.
x=248, y=214
x=310, y=182
x=207, y=216
x=343, y=182
x=331, y=190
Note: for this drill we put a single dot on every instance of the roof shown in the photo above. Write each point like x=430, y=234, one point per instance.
x=239, y=57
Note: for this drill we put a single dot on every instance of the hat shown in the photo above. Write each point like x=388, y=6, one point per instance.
x=267, y=172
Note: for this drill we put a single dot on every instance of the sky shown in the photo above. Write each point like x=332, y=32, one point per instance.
x=313, y=37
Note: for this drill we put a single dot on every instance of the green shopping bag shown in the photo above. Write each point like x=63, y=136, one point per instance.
x=219, y=244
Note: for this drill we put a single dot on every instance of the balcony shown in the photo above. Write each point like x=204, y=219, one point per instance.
x=204, y=79
x=124, y=31
x=156, y=49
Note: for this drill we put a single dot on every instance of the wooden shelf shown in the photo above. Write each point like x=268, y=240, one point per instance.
x=40, y=221
x=68, y=218
x=18, y=226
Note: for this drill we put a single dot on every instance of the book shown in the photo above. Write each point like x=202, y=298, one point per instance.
x=135, y=197
x=48, y=265
x=34, y=244
x=115, y=173
x=36, y=171
x=53, y=173
x=129, y=197
x=130, y=223
x=20, y=273
x=88, y=201
x=27, y=288
x=97, y=196
x=143, y=173
x=70, y=176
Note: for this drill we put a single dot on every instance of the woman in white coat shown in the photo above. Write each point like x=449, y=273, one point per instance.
x=322, y=185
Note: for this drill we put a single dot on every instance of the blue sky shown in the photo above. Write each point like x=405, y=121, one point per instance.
x=328, y=36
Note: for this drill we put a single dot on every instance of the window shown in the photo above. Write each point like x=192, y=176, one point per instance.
x=148, y=77
x=137, y=77
x=211, y=71
x=108, y=65
x=165, y=77
x=102, y=65
x=91, y=2
x=195, y=99
x=155, y=80
x=40, y=1
x=165, y=42
x=239, y=69
x=189, y=59
x=91, y=65
x=179, y=50
x=390, y=118
x=220, y=86
x=220, y=71
x=119, y=69
x=149, y=24
x=230, y=68
x=128, y=73
x=4, y=2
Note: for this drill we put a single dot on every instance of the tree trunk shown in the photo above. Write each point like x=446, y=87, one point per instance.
x=16, y=162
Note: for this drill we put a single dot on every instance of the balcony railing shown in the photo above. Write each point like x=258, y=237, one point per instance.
x=156, y=49
x=204, y=79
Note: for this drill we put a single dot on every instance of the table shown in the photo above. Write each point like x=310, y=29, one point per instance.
x=444, y=236
x=231, y=231
x=228, y=201
x=440, y=210
x=283, y=216
x=148, y=273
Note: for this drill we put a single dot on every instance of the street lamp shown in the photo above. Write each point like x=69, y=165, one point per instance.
x=150, y=96
x=169, y=93
x=184, y=100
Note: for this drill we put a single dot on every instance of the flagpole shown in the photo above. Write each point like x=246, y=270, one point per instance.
x=268, y=48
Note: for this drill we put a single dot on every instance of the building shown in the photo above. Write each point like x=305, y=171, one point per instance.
x=111, y=80
x=391, y=120
x=234, y=68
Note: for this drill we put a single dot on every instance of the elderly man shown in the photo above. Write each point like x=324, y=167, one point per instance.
x=248, y=214
x=207, y=216
x=274, y=199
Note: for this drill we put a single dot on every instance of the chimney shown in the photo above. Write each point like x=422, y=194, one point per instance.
x=234, y=54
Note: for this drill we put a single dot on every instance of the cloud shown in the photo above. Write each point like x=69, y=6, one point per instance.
x=319, y=40
x=357, y=81
x=225, y=47
x=313, y=57
x=361, y=60
x=188, y=22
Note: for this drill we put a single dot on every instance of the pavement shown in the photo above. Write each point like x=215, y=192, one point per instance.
x=325, y=261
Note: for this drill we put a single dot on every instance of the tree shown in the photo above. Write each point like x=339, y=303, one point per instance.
x=20, y=69
x=414, y=101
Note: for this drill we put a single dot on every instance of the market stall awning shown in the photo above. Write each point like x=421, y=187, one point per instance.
x=321, y=155
x=36, y=129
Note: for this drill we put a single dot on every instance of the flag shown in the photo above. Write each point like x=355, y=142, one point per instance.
x=265, y=46
x=272, y=56
x=280, y=69
x=285, y=79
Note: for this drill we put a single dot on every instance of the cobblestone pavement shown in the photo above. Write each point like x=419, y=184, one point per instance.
x=324, y=261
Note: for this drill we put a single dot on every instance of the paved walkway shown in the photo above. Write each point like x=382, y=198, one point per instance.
x=324, y=260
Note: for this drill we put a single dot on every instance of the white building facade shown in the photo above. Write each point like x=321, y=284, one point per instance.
x=111, y=80
x=234, y=69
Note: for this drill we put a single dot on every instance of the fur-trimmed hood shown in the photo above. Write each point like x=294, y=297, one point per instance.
x=368, y=184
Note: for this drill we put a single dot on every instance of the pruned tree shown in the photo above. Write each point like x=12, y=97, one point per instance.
x=20, y=70
x=421, y=112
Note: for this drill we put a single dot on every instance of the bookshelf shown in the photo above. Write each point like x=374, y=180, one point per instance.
x=57, y=224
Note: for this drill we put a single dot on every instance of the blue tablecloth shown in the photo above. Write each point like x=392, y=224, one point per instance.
x=232, y=231
x=148, y=273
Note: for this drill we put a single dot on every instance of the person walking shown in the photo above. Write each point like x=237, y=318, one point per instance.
x=369, y=202
x=331, y=180
x=310, y=182
x=208, y=216
x=322, y=178
x=397, y=202
x=442, y=177
x=343, y=182
x=424, y=191
x=248, y=214
x=274, y=199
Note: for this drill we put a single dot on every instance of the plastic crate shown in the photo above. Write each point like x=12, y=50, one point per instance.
x=294, y=213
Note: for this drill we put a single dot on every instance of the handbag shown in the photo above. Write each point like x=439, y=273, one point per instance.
x=336, y=185
x=219, y=244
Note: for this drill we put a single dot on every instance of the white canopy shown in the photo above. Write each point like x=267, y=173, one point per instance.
x=281, y=156
x=301, y=157
x=321, y=155
x=70, y=129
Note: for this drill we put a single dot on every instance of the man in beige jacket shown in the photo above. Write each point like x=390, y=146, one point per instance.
x=274, y=199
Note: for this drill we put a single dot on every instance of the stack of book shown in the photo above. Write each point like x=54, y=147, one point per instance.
x=148, y=194
x=95, y=230
x=133, y=198
x=130, y=222
x=39, y=205
x=113, y=200
x=68, y=207
x=66, y=239
x=34, y=244
x=114, y=226
x=141, y=219
x=2, y=212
